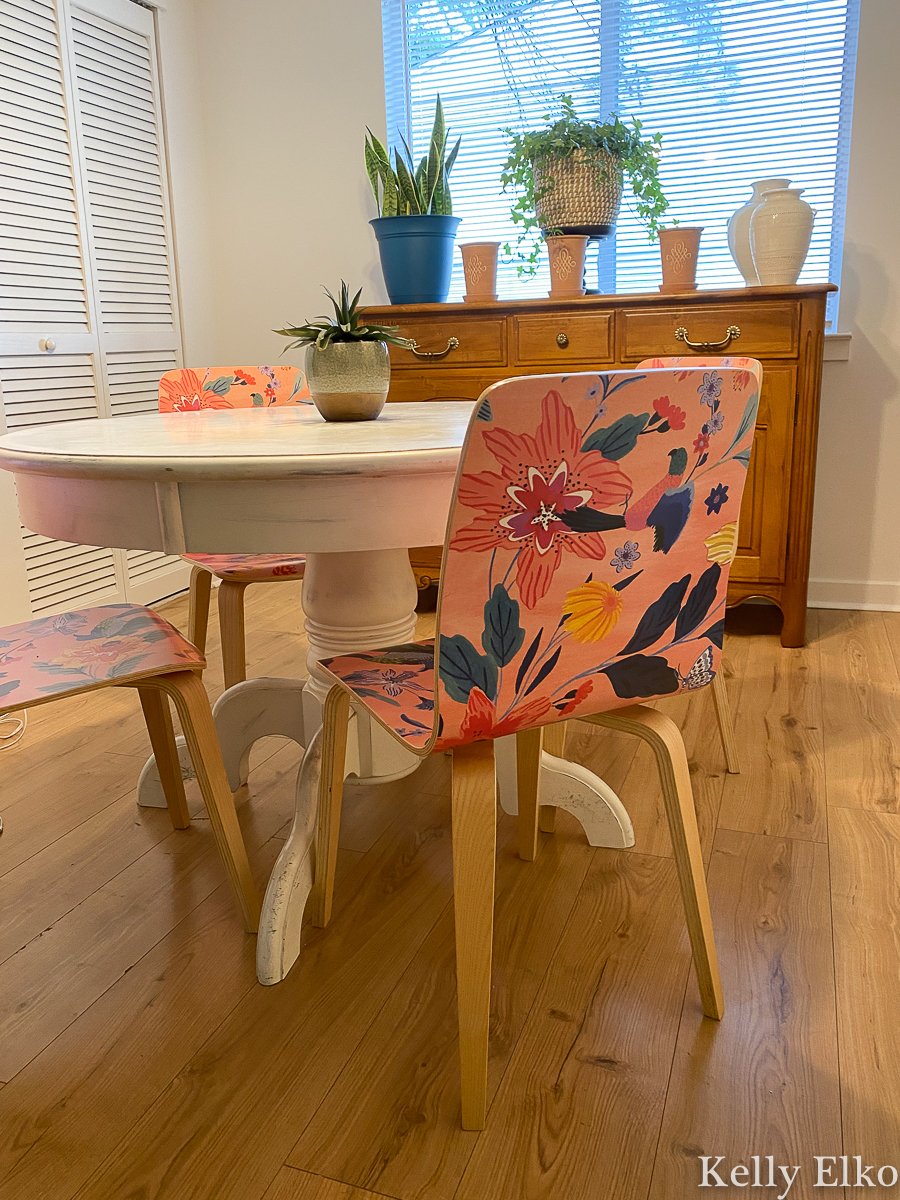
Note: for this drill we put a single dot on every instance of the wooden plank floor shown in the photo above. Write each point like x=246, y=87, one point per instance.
x=140, y=1060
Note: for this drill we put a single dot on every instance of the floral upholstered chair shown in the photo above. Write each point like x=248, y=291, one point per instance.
x=585, y=570
x=188, y=390
x=127, y=645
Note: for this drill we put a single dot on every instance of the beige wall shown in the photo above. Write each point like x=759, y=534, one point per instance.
x=287, y=90
x=856, y=528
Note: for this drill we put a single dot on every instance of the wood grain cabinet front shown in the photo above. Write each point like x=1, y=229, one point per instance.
x=781, y=326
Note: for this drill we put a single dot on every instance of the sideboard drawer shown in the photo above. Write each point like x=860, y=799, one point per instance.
x=431, y=383
x=768, y=330
x=482, y=342
x=556, y=341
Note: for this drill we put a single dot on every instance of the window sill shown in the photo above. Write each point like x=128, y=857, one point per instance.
x=837, y=347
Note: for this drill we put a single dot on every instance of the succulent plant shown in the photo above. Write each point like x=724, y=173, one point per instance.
x=345, y=326
x=408, y=190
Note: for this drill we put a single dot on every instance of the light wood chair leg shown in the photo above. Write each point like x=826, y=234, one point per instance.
x=474, y=851
x=231, y=629
x=335, y=721
x=198, y=610
x=663, y=736
x=726, y=723
x=162, y=739
x=528, y=782
x=192, y=703
x=555, y=744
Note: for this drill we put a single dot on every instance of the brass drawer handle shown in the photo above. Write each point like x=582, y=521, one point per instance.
x=732, y=333
x=562, y=340
x=452, y=344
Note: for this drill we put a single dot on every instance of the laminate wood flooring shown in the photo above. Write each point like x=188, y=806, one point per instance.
x=140, y=1059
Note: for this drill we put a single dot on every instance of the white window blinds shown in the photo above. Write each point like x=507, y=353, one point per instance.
x=740, y=90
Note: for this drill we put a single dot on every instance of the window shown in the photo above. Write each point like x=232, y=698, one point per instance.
x=740, y=90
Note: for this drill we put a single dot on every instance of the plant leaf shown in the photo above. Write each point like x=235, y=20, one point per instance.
x=545, y=670
x=220, y=386
x=529, y=658
x=503, y=635
x=698, y=602
x=658, y=617
x=462, y=668
x=716, y=633
x=618, y=439
x=591, y=520
x=642, y=676
x=747, y=422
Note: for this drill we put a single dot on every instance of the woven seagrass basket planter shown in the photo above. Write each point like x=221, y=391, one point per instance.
x=586, y=193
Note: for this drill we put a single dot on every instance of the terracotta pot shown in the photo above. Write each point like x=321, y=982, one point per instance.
x=780, y=230
x=349, y=380
x=739, y=229
x=566, y=253
x=678, y=248
x=480, y=269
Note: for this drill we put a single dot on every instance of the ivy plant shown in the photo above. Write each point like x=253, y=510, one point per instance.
x=633, y=156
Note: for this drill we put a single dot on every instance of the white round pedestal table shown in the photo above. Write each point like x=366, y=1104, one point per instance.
x=352, y=497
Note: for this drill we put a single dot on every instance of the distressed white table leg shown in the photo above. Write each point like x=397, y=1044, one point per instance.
x=355, y=601
x=290, y=883
x=360, y=601
x=568, y=786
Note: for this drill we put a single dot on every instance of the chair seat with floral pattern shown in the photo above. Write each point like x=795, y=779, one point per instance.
x=75, y=651
x=251, y=568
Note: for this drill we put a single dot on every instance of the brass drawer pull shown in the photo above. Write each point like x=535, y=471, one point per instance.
x=452, y=344
x=562, y=340
x=732, y=333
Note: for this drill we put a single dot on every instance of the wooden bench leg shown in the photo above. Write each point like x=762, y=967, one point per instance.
x=192, y=704
x=663, y=736
x=335, y=721
x=231, y=629
x=162, y=739
x=726, y=723
x=198, y=610
x=474, y=850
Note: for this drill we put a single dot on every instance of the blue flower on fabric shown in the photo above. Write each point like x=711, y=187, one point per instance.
x=710, y=389
x=716, y=498
x=625, y=557
x=591, y=393
x=715, y=423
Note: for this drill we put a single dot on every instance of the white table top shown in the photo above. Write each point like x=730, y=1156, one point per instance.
x=226, y=444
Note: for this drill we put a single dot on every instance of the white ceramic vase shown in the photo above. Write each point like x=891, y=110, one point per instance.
x=780, y=229
x=739, y=229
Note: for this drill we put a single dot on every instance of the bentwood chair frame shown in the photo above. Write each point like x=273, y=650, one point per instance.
x=531, y=598
x=127, y=645
x=192, y=390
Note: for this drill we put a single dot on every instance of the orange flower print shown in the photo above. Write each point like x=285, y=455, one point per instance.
x=481, y=724
x=243, y=377
x=527, y=507
x=670, y=412
x=573, y=699
x=186, y=394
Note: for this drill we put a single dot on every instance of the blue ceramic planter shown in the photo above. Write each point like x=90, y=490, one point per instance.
x=416, y=257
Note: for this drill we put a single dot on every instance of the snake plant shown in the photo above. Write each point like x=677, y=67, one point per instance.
x=409, y=190
x=343, y=327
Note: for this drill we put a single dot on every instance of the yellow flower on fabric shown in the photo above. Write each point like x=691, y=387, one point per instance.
x=594, y=610
x=721, y=547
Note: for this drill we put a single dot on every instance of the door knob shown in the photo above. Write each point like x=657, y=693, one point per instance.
x=47, y=345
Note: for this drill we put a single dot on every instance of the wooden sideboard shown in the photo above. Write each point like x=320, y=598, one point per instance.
x=781, y=326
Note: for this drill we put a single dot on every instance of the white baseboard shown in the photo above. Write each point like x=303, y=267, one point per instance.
x=854, y=593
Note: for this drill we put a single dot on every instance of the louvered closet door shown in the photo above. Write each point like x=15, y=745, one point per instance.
x=119, y=134
x=49, y=351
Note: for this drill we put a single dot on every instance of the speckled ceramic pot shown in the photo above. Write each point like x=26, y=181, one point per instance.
x=349, y=380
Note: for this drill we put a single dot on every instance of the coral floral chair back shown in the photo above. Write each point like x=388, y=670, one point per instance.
x=189, y=390
x=588, y=552
x=587, y=555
